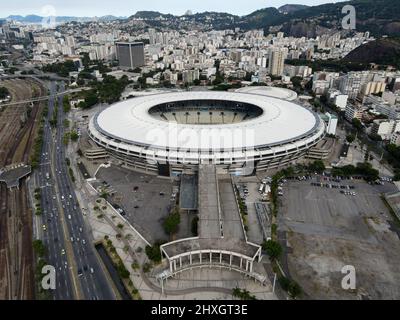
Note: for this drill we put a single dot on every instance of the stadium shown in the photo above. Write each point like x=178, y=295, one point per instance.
x=239, y=132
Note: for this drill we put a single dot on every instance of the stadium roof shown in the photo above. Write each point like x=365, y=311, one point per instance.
x=273, y=92
x=281, y=121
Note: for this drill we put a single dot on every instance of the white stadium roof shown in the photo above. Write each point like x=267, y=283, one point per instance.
x=273, y=92
x=130, y=122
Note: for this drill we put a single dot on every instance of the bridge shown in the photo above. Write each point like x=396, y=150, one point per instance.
x=42, y=98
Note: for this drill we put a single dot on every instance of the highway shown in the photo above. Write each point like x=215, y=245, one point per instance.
x=92, y=280
x=53, y=237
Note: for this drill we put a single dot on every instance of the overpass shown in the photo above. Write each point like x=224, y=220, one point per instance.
x=43, y=98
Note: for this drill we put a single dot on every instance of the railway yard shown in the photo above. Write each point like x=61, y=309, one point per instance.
x=18, y=125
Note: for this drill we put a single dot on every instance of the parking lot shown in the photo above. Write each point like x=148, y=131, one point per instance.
x=145, y=199
x=331, y=224
x=252, y=196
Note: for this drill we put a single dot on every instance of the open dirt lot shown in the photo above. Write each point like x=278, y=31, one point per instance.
x=327, y=230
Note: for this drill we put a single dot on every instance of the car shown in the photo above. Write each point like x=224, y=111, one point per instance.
x=83, y=241
x=91, y=270
x=72, y=239
x=77, y=239
x=44, y=227
x=62, y=197
x=69, y=217
x=137, y=207
x=63, y=252
x=162, y=194
x=70, y=196
x=80, y=272
x=80, y=229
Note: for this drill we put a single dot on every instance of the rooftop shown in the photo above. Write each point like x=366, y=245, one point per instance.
x=281, y=121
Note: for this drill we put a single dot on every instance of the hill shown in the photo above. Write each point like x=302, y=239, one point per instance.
x=380, y=17
x=384, y=51
x=290, y=8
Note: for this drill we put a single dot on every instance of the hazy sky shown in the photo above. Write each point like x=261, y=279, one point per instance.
x=128, y=7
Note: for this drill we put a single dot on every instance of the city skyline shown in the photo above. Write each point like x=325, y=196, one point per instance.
x=125, y=8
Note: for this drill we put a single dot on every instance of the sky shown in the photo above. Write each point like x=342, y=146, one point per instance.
x=93, y=8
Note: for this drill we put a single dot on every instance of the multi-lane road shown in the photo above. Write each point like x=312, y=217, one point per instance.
x=53, y=236
x=70, y=248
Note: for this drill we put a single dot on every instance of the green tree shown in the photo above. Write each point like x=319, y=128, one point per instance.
x=3, y=93
x=171, y=223
x=357, y=124
x=154, y=253
x=317, y=166
x=273, y=249
x=39, y=248
x=350, y=138
x=74, y=136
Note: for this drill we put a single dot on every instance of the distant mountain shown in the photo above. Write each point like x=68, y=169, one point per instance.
x=151, y=15
x=377, y=16
x=380, y=17
x=28, y=19
x=383, y=51
x=290, y=8
x=260, y=18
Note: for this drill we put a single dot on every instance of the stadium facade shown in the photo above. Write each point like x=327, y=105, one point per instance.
x=240, y=132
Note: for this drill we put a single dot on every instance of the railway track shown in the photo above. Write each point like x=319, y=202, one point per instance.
x=16, y=252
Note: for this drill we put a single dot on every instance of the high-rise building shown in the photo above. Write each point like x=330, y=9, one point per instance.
x=353, y=112
x=332, y=122
x=276, y=62
x=152, y=36
x=130, y=54
x=351, y=84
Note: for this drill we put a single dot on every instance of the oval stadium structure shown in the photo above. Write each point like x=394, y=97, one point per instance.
x=239, y=132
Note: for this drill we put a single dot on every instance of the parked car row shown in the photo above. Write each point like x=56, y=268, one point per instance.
x=348, y=193
x=332, y=186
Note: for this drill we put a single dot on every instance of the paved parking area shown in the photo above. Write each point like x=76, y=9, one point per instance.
x=254, y=232
x=327, y=230
x=139, y=195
